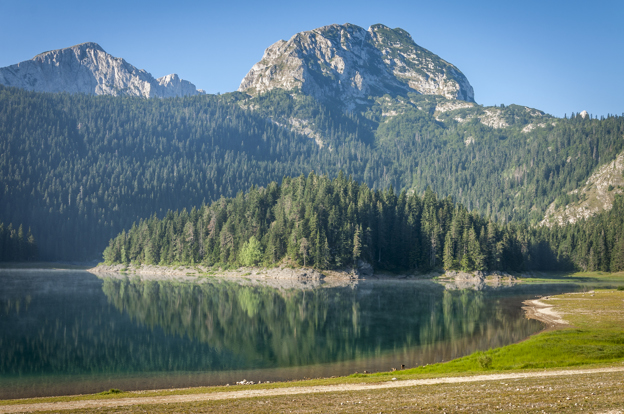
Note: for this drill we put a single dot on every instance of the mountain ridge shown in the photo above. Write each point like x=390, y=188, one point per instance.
x=88, y=68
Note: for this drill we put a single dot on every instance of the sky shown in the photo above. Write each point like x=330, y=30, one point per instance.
x=556, y=56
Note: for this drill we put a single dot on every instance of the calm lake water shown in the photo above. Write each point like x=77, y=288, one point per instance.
x=70, y=332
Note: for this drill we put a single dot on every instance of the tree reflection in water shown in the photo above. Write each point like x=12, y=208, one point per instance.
x=269, y=327
x=72, y=332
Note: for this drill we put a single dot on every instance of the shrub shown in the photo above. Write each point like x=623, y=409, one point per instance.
x=485, y=361
x=111, y=391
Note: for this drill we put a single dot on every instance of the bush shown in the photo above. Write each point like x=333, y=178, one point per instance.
x=111, y=391
x=485, y=361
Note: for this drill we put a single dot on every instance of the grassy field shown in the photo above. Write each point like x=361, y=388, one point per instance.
x=589, y=280
x=595, y=339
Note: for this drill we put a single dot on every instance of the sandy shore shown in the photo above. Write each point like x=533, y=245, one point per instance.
x=541, y=310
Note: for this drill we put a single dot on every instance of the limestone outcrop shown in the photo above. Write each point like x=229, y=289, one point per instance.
x=348, y=64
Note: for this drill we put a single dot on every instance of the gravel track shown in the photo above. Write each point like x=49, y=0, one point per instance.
x=230, y=395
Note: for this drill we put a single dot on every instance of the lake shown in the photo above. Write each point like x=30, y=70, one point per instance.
x=70, y=332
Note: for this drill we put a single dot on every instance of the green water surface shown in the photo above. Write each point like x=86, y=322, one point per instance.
x=70, y=332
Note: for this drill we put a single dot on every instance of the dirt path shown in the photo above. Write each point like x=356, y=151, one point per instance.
x=187, y=398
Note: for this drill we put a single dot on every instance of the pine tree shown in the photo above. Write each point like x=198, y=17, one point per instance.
x=449, y=259
x=357, y=244
x=478, y=261
x=304, y=249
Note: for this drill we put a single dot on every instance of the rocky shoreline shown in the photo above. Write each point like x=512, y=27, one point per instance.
x=284, y=277
x=278, y=277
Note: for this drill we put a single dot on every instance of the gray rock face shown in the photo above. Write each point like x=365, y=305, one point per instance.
x=347, y=64
x=173, y=86
x=87, y=68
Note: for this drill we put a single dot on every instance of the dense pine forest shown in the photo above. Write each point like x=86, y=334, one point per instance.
x=16, y=245
x=79, y=169
x=324, y=223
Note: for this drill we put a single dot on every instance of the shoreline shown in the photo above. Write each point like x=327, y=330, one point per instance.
x=309, y=277
x=200, y=270
x=538, y=310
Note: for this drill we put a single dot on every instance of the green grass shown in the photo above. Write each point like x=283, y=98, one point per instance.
x=558, y=349
x=597, y=337
x=590, y=280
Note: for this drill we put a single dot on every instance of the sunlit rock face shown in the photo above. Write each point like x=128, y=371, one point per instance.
x=87, y=68
x=348, y=64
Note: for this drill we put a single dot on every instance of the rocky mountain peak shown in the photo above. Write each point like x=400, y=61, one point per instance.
x=87, y=68
x=77, y=49
x=348, y=64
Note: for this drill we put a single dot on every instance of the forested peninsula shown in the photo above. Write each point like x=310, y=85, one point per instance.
x=325, y=223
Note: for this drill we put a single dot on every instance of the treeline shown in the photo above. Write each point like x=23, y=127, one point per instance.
x=319, y=222
x=79, y=169
x=16, y=245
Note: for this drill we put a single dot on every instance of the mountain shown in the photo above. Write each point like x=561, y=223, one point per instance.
x=347, y=64
x=87, y=68
x=380, y=75
x=78, y=169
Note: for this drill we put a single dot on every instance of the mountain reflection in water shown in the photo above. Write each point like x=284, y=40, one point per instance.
x=72, y=332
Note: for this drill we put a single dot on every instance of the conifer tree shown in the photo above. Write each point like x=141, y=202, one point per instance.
x=357, y=244
x=449, y=260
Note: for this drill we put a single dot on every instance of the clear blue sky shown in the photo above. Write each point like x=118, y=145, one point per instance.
x=557, y=56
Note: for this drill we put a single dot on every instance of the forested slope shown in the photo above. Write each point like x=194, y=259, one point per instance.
x=78, y=169
x=17, y=245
